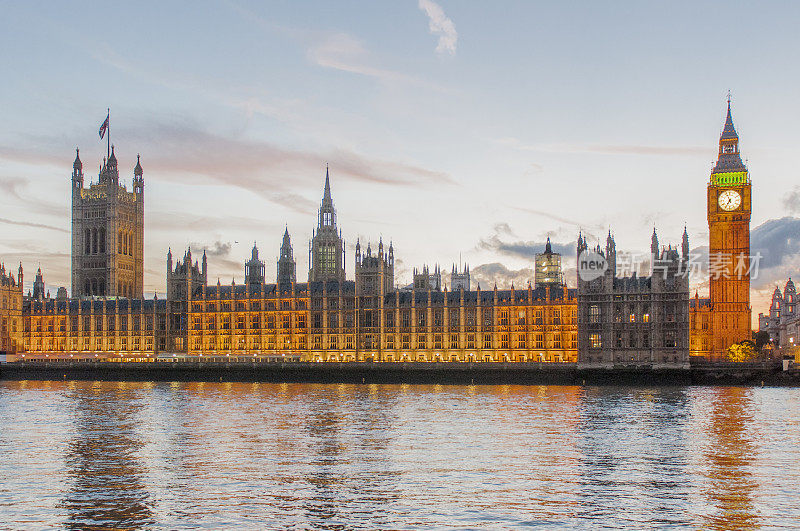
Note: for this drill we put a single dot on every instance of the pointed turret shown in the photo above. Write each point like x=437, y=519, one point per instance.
x=327, y=249
x=729, y=160
x=137, y=170
x=77, y=173
x=327, y=200
x=685, y=244
x=728, y=130
x=548, y=249
x=286, y=265
x=654, y=244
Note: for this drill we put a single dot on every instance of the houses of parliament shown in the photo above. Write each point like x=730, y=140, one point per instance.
x=615, y=320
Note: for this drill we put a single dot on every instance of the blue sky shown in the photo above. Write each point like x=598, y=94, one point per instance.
x=468, y=129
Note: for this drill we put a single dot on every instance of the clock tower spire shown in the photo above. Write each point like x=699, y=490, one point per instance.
x=728, y=209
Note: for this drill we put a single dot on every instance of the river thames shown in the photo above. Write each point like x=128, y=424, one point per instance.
x=274, y=456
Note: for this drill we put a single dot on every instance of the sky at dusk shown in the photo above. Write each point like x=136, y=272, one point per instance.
x=457, y=130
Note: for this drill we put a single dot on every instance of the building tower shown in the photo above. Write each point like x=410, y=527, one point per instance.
x=287, y=267
x=38, y=286
x=459, y=279
x=374, y=273
x=728, y=196
x=547, y=269
x=107, y=233
x=187, y=278
x=326, y=249
x=425, y=280
x=254, y=270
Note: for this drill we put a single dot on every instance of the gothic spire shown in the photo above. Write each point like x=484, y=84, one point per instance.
x=77, y=165
x=326, y=198
x=137, y=171
x=728, y=131
x=729, y=160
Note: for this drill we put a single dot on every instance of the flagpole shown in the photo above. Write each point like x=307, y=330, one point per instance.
x=108, y=147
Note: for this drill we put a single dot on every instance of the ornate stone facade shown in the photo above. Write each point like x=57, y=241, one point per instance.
x=11, y=330
x=107, y=233
x=724, y=318
x=635, y=321
x=326, y=249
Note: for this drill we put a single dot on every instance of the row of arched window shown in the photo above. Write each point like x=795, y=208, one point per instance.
x=125, y=242
x=94, y=241
x=95, y=287
x=125, y=289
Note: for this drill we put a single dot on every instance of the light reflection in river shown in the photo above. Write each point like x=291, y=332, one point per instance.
x=249, y=455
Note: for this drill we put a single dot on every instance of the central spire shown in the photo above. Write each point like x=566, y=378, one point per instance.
x=326, y=198
x=327, y=213
x=729, y=160
x=728, y=131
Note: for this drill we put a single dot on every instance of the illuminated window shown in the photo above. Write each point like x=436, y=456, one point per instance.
x=453, y=340
x=594, y=314
x=504, y=318
x=595, y=341
x=487, y=340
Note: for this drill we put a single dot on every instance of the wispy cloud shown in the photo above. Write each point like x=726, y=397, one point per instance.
x=607, y=149
x=185, y=152
x=32, y=225
x=341, y=51
x=439, y=24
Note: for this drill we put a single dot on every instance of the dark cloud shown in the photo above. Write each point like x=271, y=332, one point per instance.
x=218, y=248
x=791, y=201
x=487, y=275
x=522, y=249
x=777, y=241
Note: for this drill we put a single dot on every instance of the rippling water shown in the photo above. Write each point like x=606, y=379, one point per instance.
x=187, y=455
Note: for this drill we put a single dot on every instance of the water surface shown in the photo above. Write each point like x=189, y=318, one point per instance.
x=221, y=455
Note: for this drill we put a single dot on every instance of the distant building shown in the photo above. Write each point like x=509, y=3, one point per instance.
x=107, y=233
x=39, y=292
x=186, y=277
x=782, y=321
x=459, y=279
x=326, y=249
x=634, y=321
x=374, y=273
x=425, y=280
x=547, y=271
x=287, y=267
x=11, y=330
x=254, y=269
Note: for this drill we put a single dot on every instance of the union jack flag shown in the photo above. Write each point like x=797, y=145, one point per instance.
x=104, y=127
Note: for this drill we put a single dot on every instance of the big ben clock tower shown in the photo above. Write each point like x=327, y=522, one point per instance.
x=729, y=243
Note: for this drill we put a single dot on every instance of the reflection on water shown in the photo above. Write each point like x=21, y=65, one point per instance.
x=104, y=472
x=203, y=455
x=729, y=453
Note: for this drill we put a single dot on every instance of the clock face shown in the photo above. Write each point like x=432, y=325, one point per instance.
x=730, y=200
